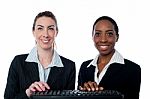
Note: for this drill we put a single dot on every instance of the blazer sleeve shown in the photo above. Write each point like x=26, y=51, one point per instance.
x=12, y=86
x=69, y=75
x=134, y=81
x=81, y=75
x=85, y=74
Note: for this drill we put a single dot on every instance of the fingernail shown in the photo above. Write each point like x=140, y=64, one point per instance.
x=92, y=89
x=101, y=88
x=96, y=88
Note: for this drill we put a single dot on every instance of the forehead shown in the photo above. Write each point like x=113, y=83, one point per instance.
x=45, y=21
x=104, y=24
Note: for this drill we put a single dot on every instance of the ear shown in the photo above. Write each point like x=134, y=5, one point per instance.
x=56, y=33
x=93, y=38
x=33, y=32
x=117, y=38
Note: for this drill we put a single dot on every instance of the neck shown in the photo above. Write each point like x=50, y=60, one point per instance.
x=105, y=58
x=45, y=56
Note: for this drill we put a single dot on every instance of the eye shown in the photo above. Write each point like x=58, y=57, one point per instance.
x=51, y=28
x=110, y=34
x=39, y=28
x=97, y=34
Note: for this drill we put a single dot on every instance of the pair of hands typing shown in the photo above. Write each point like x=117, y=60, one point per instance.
x=90, y=86
x=42, y=86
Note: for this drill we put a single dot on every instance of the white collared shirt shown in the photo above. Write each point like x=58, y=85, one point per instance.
x=44, y=72
x=116, y=58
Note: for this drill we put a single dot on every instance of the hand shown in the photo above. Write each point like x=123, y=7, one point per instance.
x=36, y=86
x=90, y=86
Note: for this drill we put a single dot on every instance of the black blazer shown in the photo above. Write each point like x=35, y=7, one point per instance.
x=125, y=78
x=22, y=74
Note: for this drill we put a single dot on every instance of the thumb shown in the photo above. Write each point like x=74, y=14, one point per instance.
x=81, y=88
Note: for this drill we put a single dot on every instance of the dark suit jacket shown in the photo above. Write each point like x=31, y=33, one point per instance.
x=22, y=74
x=125, y=78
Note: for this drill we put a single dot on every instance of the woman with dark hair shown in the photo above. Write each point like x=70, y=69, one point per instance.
x=109, y=70
x=43, y=68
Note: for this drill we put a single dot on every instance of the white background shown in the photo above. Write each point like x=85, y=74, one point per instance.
x=74, y=40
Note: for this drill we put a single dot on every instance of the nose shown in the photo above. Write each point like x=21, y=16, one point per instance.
x=45, y=33
x=103, y=38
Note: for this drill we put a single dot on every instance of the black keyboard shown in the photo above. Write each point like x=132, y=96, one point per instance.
x=76, y=94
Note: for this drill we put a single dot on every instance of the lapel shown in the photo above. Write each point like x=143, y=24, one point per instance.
x=90, y=73
x=54, y=75
x=112, y=71
x=33, y=73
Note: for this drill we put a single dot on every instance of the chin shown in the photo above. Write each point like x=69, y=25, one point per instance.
x=47, y=47
x=105, y=53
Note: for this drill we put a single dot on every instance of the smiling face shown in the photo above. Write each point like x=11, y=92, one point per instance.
x=104, y=37
x=45, y=32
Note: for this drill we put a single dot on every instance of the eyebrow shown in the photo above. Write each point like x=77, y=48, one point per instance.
x=40, y=25
x=109, y=30
x=106, y=30
x=51, y=26
x=48, y=26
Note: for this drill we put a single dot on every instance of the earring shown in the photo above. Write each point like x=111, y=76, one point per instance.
x=54, y=45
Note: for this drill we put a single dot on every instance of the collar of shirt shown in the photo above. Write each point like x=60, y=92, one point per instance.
x=56, y=60
x=116, y=58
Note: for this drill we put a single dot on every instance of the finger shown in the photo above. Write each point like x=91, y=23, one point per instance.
x=41, y=85
x=95, y=86
x=81, y=88
x=92, y=85
x=45, y=85
x=87, y=86
x=37, y=86
x=32, y=87
x=101, y=88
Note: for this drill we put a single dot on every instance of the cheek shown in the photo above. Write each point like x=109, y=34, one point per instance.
x=52, y=37
x=37, y=36
x=52, y=34
x=95, y=40
x=112, y=42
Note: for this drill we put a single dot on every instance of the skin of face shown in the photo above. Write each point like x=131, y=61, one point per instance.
x=104, y=37
x=45, y=32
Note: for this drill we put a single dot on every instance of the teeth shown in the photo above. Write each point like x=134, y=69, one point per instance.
x=104, y=47
x=45, y=41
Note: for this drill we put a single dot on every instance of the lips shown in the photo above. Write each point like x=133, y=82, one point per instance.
x=45, y=41
x=103, y=47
